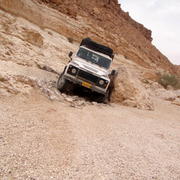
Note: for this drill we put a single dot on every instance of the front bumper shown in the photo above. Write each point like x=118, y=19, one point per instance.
x=78, y=81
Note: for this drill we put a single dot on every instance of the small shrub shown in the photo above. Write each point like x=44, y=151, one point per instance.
x=169, y=79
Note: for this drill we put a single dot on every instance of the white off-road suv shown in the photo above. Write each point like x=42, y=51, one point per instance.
x=89, y=67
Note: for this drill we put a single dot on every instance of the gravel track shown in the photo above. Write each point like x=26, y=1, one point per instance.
x=42, y=139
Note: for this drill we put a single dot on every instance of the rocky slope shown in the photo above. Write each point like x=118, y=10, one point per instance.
x=33, y=53
x=103, y=21
x=177, y=67
x=32, y=58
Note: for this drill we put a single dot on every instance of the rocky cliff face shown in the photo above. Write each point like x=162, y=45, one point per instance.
x=177, y=67
x=111, y=25
x=102, y=10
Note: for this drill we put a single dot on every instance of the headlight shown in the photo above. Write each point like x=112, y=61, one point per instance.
x=101, y=82
x=72, y=70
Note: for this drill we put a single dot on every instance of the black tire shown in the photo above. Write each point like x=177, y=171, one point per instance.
x=103, y=98
x=61, y=83
x=64, y=85
x=111, y=87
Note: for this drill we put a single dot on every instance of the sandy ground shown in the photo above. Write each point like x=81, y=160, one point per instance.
x=43, y=139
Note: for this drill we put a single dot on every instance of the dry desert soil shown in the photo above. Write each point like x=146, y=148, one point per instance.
x=44, y=139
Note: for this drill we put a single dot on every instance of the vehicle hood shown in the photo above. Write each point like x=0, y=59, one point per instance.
x=90, y=67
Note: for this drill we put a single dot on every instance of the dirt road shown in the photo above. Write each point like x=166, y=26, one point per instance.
x=42, y=139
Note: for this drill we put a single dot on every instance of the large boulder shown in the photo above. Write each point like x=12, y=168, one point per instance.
x=130, y=91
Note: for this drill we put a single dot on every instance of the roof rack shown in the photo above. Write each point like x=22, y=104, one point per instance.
x=87, y=42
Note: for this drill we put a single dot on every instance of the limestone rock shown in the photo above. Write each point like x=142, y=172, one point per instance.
x=33, y=37
x=129, y=91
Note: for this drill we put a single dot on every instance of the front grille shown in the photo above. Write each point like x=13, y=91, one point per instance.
x=87, y=76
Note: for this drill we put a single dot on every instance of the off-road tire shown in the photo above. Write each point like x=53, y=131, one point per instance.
x=111, y=87
x=103, y=98
x=64, y=85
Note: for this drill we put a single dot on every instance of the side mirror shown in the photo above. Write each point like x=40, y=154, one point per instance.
x=113, y=72
x=70, y=54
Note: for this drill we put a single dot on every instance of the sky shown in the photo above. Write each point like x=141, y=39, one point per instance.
x=162, y=17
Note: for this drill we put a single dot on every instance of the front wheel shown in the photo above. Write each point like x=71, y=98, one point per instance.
x=64, y=85
x=103, y=98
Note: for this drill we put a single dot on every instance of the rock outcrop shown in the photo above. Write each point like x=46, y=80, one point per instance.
x=129, y=90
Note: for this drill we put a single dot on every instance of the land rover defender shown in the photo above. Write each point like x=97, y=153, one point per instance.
x=89, y=67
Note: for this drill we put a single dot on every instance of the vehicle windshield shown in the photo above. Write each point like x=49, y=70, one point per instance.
x=94, y=58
